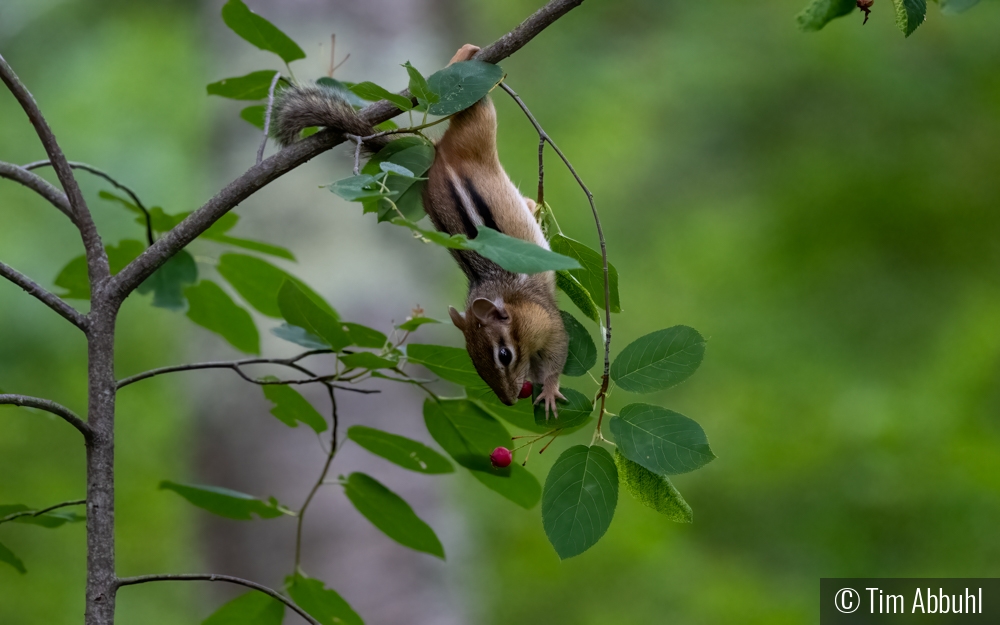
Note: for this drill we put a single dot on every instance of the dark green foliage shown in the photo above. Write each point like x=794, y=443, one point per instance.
x=167, y=283
x=652, y=490
x=259, y=31
x=578, y=294
x=322, y=603
x=363, y=336
x=212, y=308
x=663, y=441
x=298, y=309
x=573, y=413
x=252, y=608
x=290, y=407
x=518, y=255
x=582, y=351
x=367, y=360
x=400, y=450
x=579, y=500
x=258, y=282
x=415, y=154
x=590, y=275
x=910, y=14
x=7, y=556
x=460, y=85
x=450, y=363
x=419, y=87
x=372, y=92
x=388, y=512
x=819, y=13
x=416, y=322
x=254, y=115
x=50, y=520
x=227, y=503
x=659, y=360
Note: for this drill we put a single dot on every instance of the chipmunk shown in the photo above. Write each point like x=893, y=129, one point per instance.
x=512, y=327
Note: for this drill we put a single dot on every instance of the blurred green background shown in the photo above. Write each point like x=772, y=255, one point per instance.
x=822, y=207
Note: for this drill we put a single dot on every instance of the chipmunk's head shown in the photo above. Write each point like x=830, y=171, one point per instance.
x=491, y=338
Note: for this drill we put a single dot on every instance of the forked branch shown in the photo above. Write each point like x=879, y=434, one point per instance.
x=37, y=184
x=49, y=299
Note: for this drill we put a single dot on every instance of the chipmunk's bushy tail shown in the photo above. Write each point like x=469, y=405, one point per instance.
x=302, y=106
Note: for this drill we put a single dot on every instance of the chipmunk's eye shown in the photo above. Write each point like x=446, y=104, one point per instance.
x=505, y=356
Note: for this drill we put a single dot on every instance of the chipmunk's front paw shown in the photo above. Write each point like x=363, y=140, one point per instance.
x=549, y=395
x=464, y=53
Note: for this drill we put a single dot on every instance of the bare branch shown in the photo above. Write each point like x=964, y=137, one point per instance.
x=97, y=259
x=49, y=406
x=543, y=137
x=200, y=577
x=237, y=366
x=322, y=477
x=37, y=184
x=31, y=288
x=298, y=153
x=34, y=513
x=267, y=116
x=118, y=185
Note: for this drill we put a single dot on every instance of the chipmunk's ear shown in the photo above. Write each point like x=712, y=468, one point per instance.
x=457, y=318
x=487, y=311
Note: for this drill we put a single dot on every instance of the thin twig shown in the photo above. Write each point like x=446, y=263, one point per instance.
x=118, y=185
x=541, y=170
x=357, y=152
x=49, y=299
x=322, y=478
x=39, y=185
x=267, y=116
x=298, y=153
x=544, y=137
x=209, y=577
x=36, y=513
x=62, y=412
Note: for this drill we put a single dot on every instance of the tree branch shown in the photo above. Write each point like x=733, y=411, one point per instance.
x=97, y=259
x=34, y=513
x=200, y=577
x=49, y=299
x=118, y=185
x=294, y=155
x=237, y=366
x=37, y=184
x=64, y=413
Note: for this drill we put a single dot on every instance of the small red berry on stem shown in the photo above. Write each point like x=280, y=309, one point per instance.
x=525, y=390
x=501, y=457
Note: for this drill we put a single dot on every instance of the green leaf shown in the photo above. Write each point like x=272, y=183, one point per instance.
x=258, y=282
x=6, y=555
x=162, y=221
x=247, y=244
x=652, y=490
x=227, y=503
x=128, y=204
x=366, y=360
x=345, y=89
x=252, y=608
x=167, y=283
x=388, y=512
x=400, y=450
x=520, y=486
x=73, y=279
x=419, y=87
x=659, y=360
x=415, y=322
x=299, y=309
x=259, y=31
x=449, y=363
x=323, y=604
x=212, y=308
x=299, y=336
x=579, y=500
x=954, y=7
x=582, y=351
x=517, y=255
x=454, y=241
x=521, y=414
x=574, y=412
x=412, y=153
x=290, y=407
x=460, y=85
x=910, y=14
x=820, y=12
x=255, y=114
x=363, y=336
x=663, y=441
x=372, y=92
x=578, y=295
x=253, y=86
x=591, y=273
x=119, y=256
x=359, y=188
x=50, y=520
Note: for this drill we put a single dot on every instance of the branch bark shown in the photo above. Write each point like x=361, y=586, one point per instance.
x=208, y=577
x=298, y=153
x=39, y=185
x=49, y=299
x=62, y=412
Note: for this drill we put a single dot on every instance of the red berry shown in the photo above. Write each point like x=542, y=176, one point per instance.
x=525, y=390
x=501, y=457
